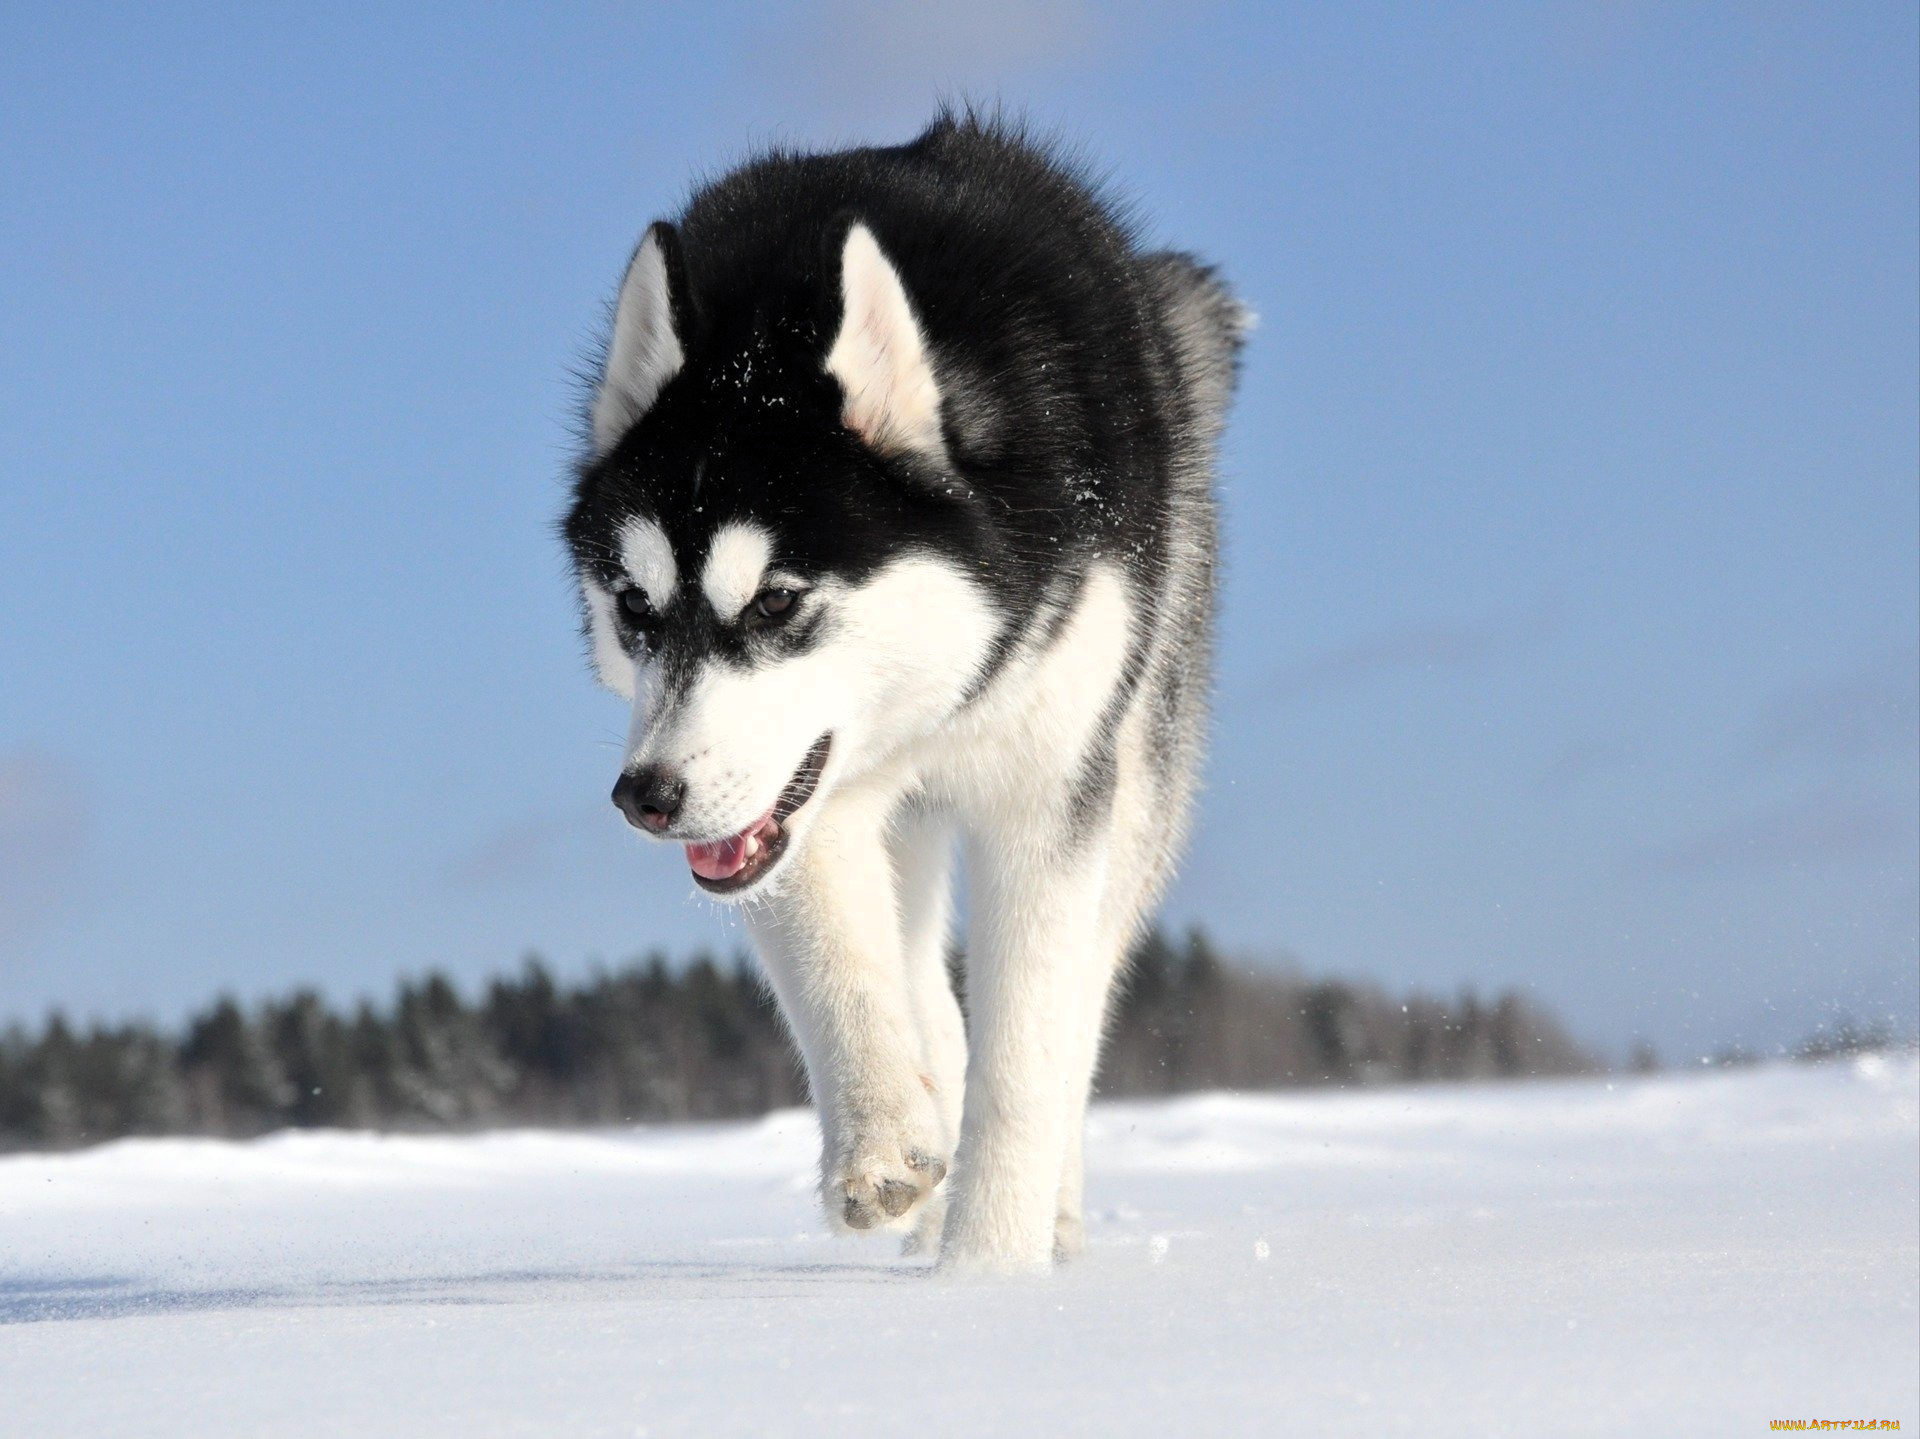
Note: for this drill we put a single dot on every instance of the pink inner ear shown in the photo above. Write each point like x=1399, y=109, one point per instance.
x=643, y=353
x=879, y=358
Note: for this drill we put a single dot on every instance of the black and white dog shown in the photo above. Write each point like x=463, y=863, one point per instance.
x=897, y=526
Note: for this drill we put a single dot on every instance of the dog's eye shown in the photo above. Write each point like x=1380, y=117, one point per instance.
x=773, y=604
x=633, y=604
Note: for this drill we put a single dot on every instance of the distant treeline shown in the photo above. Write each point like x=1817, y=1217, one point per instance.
x=699, y=1041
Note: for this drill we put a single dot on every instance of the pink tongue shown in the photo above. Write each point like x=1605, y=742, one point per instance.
x=724, y=858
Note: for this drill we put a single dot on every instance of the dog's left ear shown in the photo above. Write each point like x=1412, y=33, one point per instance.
x=645, y=351
x=880, y=357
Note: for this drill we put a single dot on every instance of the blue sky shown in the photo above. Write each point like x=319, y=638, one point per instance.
x=1572, y=612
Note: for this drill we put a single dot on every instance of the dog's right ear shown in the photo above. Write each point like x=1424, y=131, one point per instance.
x=880, y=357
x=645, y=351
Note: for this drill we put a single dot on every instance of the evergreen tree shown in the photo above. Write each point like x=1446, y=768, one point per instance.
x=705, y=1041
x=248, y=1090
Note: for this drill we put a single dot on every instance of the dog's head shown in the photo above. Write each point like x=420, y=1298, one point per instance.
x=773, y=551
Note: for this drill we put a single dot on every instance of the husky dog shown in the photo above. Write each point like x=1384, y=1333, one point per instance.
x=896, y=524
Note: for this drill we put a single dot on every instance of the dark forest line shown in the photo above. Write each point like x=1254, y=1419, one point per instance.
x=655, y=1041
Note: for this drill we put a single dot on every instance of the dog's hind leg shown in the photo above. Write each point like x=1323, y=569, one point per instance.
x=1095, y=985
x=830, y=938
x=1036, y=928
x=1151, y=795
x=921, y=847
x=1126, y=900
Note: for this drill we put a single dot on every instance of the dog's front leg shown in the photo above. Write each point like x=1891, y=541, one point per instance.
x=1035, y=926
x=829, y=938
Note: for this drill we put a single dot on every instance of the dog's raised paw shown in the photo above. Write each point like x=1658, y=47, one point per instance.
x=877, y=1188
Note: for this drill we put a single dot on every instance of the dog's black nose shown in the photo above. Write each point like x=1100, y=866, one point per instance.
x=650, y=797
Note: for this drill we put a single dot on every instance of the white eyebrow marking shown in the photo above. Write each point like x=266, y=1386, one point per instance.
x=649, y=559
x=735, y=562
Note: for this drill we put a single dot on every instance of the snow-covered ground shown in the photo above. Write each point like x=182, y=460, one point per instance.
x=1697, y=1255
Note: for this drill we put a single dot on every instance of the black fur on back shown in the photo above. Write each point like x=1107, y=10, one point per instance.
x=1082, y=381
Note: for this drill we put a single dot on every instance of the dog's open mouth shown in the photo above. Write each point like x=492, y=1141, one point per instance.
x=727, y=866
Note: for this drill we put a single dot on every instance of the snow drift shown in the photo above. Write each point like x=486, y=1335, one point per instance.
x=1699, y=1254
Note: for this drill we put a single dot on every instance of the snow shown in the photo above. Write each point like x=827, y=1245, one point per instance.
x=1691, y=1254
